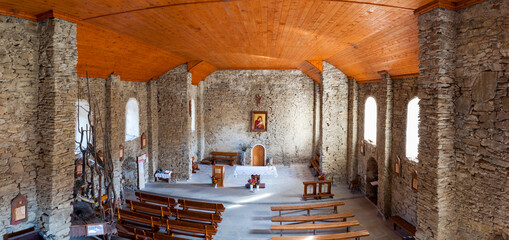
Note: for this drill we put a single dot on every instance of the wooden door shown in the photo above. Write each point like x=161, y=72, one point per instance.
x=258, y=156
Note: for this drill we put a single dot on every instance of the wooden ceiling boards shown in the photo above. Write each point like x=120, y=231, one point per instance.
x=142, y=39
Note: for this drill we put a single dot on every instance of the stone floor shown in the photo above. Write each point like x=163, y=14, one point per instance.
x=248, y=214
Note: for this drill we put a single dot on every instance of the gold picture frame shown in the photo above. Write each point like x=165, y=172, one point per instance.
x=258, y=121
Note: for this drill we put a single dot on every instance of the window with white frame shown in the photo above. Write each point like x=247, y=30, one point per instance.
x=412, y=130
x=82, y=125
x=370, y=112
x=132, y=120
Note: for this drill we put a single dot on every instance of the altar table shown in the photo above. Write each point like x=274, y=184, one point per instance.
x=255, y=170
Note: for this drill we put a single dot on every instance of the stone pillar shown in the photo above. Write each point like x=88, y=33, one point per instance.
x=114, y=136
x=153, y=127
x=353, y=109
x=436, y=169
x=174, y=121
x=56, y=123
x=200, y=121
x=334, y=122
x=385, y=179
x=317, y=111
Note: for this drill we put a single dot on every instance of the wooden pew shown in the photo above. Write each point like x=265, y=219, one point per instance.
x=211, y=207
x=152, y=198
x=337, y=236
x=314, y=227
x=318, y=185
x=130, y=232
x=190, y=229
x=161, y=236
x=140, y=219
x=226, y=156
x=315, y=163
x=307, y=207
x=186, y=215
x=161, y=211
x=313, y=218
x=403, y=224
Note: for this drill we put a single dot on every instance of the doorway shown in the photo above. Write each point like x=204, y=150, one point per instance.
x=372, y=180
x=258, y=155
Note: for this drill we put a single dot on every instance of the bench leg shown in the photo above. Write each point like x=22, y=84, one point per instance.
x=347, y=229
x=281, y=233
x=335, y=209
x=308, y=213
x=314, y=231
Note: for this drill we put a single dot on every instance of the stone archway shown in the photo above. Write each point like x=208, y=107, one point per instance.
x=372, y=180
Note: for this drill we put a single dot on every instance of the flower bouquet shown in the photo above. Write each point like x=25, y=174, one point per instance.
x=321, y=177
x=214, y=180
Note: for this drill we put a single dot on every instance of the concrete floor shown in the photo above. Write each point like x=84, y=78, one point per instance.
x=248, y=214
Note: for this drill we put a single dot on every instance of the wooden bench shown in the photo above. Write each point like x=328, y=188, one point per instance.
x=226, y=156
x=136, y=233
x=307, y=207
x=140, y=219
x=190, y=229
x=314, y=218
x=314, y=227
x=161, y=211
x=211, y=207
x=403, y=224
x=147, y=197
x=318, y=185
x=337, y=236
x=315, y=163
x=185, y=215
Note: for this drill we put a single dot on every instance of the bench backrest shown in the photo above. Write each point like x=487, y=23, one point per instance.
x=336, y=236
x=150, y=208
x=147, y=197
x=201, y=216
x=312, y=218
x=188, y=204
x=153, y=221
x=224, y=154
x=307, y=206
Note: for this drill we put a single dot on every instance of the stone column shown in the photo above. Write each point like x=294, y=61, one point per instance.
x=56, y=122
x=334, y=122
x=153, y=127
x=385, y=179
x=115, y=127
x=317, y=111
x=353, y=109
x=174, y=121
x=436, y=169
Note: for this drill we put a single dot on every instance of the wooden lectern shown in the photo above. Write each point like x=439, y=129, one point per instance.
x=218, y=171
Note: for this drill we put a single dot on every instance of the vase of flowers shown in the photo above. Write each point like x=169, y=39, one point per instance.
x=321, y=177
x=214, y=181
x=252, y=182
x=243, y=148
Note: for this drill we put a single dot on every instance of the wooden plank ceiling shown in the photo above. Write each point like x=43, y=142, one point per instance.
x=141, y=39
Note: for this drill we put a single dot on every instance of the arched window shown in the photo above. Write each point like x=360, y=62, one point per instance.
x=132, y=120
x=193, y=116
x=370, y=111
x=82, y=124
x=412, y=130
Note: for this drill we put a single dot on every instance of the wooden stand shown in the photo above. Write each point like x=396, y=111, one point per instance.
x=219, y=171
x=320, y=193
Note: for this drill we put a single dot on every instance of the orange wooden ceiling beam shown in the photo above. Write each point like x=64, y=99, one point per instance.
x=199, y=70
x=313, y=68
x=446, y=4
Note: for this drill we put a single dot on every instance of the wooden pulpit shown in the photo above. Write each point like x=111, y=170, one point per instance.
x=218, y=171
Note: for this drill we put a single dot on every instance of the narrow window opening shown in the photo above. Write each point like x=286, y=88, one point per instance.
x=370, y=114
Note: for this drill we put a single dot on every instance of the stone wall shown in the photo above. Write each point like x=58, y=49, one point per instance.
x=287, y=96
x=482, y=121
x=403, y=199
x=174, y=89
x=19, y=54
x=334, y=122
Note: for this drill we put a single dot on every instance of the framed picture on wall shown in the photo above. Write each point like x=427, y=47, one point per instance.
x=19, y=209
x=143, y=141
x=258, y=121
x=414, y=181
x=397, y=166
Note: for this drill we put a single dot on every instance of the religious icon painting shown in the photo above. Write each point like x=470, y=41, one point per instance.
x=143, y=141
x=19, y=209
x=258, y=121
x=397, y=166
x=414, y=181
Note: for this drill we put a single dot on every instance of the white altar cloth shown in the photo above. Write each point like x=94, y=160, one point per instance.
x=257, y=170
